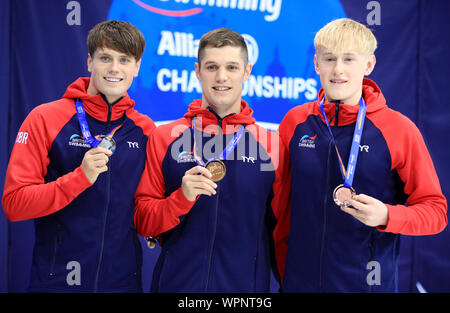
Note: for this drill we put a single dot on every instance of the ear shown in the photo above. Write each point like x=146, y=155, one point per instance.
x=138, y=66
x=89, y=63
x=316, y=65
x=197, y=70
x=370, y=64
x=248, y=70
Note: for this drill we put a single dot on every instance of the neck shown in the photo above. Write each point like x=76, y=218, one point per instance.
x=92, y=91
x=235, y=109
x=354, y=100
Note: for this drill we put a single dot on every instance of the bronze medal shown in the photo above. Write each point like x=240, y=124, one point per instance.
x=342, y=195
x=217, y=169
x=151, y=242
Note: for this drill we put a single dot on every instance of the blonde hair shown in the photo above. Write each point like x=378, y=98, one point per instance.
x=346, y=34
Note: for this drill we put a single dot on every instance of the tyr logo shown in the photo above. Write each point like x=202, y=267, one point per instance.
x=133, y=144
x=248, y=159
x=364, y=148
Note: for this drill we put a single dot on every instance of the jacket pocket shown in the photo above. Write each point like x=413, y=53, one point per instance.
x=56, y=244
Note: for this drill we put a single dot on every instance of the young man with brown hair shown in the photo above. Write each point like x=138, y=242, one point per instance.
x=73, y=171
x=214, y=190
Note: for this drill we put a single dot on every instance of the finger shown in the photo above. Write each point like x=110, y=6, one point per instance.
x=358, y=214
x=100, y=150
x=199, y=170
x=202, y=185
x=362, y=198
x=200, y=179
x=204, y=191
x=102, y=169
x=357, y=205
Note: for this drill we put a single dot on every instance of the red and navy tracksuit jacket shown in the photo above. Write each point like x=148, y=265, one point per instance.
x=224, y=242
x=76, y=221
x=329, y=250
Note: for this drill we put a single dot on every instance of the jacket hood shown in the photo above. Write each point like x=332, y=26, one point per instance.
x=96, y=106
x=211, y=120
x=347, y=113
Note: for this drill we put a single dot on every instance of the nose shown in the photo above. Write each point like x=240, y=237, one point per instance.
x=338, y=67
x=221, y=75
x=114, y=67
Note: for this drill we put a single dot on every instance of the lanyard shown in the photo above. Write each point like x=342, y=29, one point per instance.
x=349, y=173
x=230, y=146
x=92, y=141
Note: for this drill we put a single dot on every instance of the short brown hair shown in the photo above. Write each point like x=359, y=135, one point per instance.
x=222, y=37
x=117, y=35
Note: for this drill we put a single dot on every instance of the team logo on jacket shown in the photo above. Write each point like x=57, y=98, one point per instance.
x=78, y=141
x=185, y=157
x=308, y=141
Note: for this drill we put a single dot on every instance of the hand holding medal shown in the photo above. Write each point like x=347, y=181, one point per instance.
x=95, y=160
x=197, y=181
x=94, y=163
x=367, y=210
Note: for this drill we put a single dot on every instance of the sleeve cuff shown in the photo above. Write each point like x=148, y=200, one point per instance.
x=395, y=218
x=181, y=202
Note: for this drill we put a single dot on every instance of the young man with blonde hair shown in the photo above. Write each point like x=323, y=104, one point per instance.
x=73, y=172
x=361, y=175
x=215, y=188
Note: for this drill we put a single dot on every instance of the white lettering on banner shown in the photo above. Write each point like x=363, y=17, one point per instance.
x=256, y=86
x=178, y=44
x=170, y=80
x=252, y=48
x=280, y=87
x=184, y=45
x=273, y=7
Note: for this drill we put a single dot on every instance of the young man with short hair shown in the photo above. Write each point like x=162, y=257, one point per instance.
x=214, y=189
x=76, y=175
x=361, y=175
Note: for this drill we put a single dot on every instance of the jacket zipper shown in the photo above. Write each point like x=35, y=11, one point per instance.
x=325, y=201
x=107, y=200
x=372, y=252
x=212, y=240
x=220, y=135
x=324, y=230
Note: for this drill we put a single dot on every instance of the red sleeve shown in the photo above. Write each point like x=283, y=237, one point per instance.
x=281, y=187
x=26, y=195
x=154, y=213
x=425, y=212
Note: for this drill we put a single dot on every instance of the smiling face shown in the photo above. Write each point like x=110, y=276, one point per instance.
x=112, y=73
x=341, y=74
x=222, y=73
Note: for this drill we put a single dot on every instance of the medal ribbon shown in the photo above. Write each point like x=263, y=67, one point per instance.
x=230, y=146
x=93, y=142
x=349, y=173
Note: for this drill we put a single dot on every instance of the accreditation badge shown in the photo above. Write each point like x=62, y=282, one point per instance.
x=217, y=169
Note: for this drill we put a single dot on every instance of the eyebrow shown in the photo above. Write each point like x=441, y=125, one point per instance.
x=228, y=63
x=110, y=55
x=345, y=54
